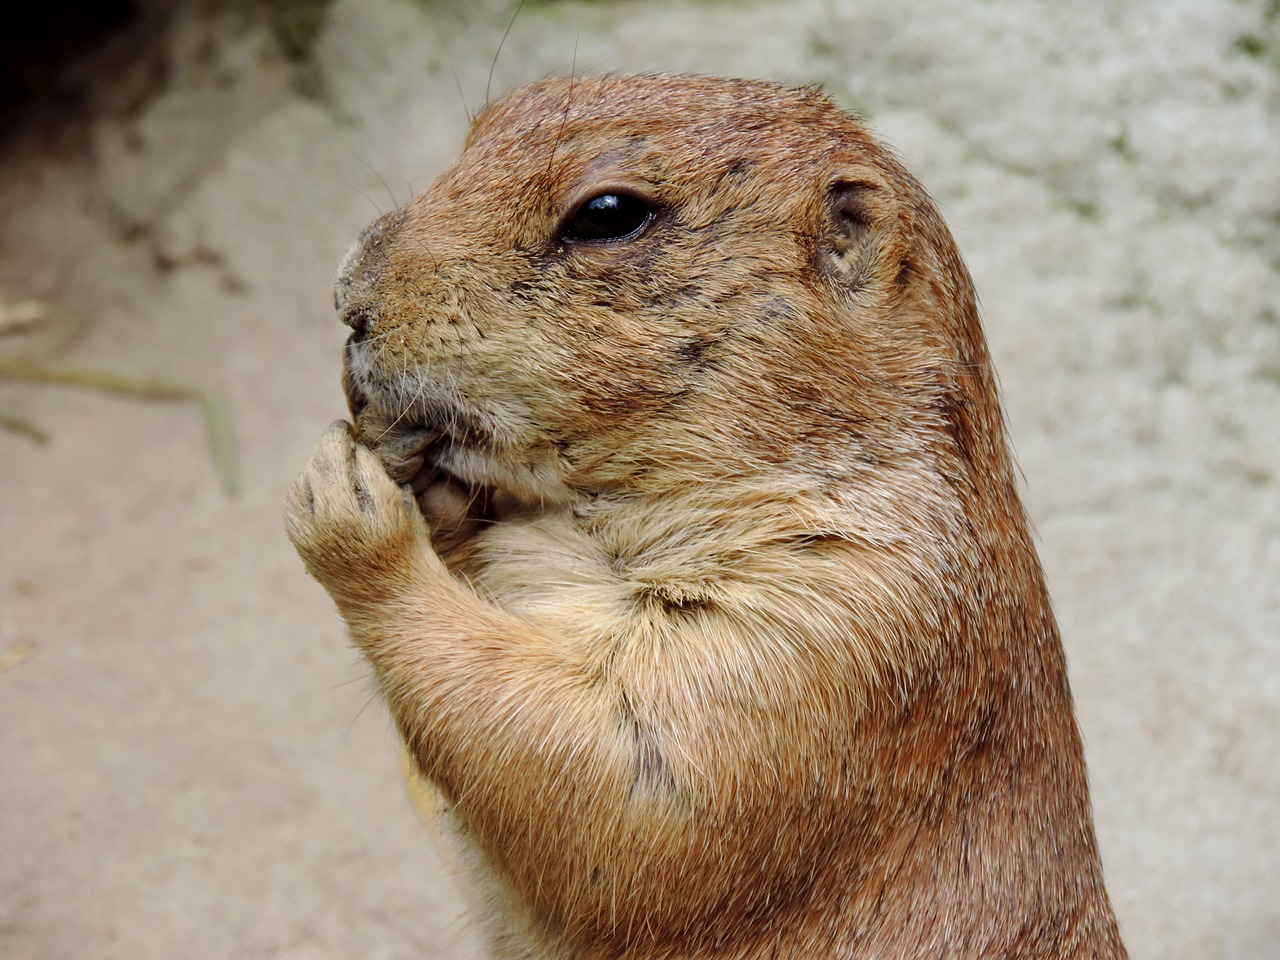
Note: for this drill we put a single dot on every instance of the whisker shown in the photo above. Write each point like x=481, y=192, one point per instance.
x=394, y=203
x=356, y=189
x=488, y=84
x=422, y=386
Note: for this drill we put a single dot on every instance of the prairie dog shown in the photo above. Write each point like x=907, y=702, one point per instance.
x=679, y=528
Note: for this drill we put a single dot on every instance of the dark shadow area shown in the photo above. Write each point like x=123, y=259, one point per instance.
x=52, y=55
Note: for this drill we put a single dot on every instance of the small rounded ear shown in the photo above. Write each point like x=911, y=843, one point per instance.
x=859, y=213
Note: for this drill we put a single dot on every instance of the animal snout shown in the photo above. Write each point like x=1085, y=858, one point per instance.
x=355, y=290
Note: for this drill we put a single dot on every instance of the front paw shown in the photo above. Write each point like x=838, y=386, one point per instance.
x=358, y=533
x=454, y=512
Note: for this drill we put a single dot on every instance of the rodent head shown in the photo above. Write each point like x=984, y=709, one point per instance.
x=630, y=281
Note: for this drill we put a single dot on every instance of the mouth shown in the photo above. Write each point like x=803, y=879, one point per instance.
x=428, y=436
x=422, y=443
x=414, y=449
x=432, y=464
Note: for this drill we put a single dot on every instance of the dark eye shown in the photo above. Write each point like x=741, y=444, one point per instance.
x=610, y=216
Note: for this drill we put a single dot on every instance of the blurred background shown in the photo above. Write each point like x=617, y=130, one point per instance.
x=192, y=763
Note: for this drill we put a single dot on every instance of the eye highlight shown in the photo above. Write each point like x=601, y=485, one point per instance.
x=608, y=217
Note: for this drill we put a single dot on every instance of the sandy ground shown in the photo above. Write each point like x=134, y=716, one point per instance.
x=190, y=761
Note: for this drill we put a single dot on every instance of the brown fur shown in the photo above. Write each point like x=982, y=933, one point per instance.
x=727, y=638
